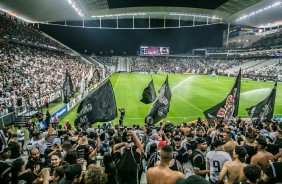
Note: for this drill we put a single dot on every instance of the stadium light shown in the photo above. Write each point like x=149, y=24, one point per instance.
x=119, y=14
x=76, y=8
x=194, y=15
x=259, y=11
x=15, y=15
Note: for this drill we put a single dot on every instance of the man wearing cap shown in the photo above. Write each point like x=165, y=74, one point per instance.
x=262, y=157
x=41, y=141
x=162, y=173
x=233, y=170
x=179, y=152
x=5, y=168
x=216, y=160
x=198, y=158
x=72, y=174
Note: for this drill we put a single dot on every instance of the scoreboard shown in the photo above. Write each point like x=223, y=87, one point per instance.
x=148, y=50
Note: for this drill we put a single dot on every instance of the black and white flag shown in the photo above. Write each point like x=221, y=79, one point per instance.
x=264, y=109
x=98, y=106
x=68, y=90
x=149, y=93
x=229, y=106
x=96, y=76
x=160, y=108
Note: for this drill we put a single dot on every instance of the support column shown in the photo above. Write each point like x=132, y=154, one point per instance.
x=227, y=37
x=179, y=23
x=117, y=22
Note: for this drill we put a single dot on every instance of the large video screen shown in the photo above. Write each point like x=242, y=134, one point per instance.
x=148, y=50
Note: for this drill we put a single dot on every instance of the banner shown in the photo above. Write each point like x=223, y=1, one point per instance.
x=51, y=97
x=68, y=90
x=83, y=86
x=264, y=109
x=229, y=107
x=160, y=108
x=149, y=93
x=62, y=111
x=98, y=106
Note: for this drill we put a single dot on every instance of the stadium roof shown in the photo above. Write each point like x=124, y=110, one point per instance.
x=247, y=12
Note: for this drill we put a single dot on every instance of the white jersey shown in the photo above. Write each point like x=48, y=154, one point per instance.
x=216, y=160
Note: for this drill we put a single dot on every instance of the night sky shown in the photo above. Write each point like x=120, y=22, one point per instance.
x=120, y=41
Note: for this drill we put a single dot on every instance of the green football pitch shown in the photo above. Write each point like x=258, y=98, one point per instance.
x=191, y=95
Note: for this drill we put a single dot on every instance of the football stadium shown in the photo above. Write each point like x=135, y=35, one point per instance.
x=141, y=91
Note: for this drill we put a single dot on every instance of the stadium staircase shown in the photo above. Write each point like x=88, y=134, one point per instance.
x=123, y=65
x=92, y=60
x=22, y=119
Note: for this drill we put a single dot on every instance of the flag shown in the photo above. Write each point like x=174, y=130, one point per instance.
x=265, y=108
x=98, y=106
x=68, y=91
x=149, y=93
x=96, y=77
x=160, y=108
x=229, y=106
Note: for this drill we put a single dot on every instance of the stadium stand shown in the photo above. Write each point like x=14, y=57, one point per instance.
x=269, y=41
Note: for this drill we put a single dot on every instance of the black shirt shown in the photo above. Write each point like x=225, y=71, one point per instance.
x=81, y=151
x=127, y=166
x=5, y=169
x=251, y=152
x=278, y=142
x=274, y=172
x=15, y=152
x=110, y=170
x=27, y=178
x=180, y=154
x=199, y=161
x=43, y=161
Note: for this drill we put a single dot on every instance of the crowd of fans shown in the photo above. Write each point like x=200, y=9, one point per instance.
x=267, y=70
x=19, y=31
x=201, y=152
x=167, y=64
x=26, y=70
x=268, y=41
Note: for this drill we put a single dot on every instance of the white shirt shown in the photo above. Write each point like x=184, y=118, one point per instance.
x=20, y=134
x=216, y=160
x=40, y=144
